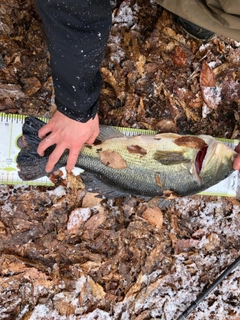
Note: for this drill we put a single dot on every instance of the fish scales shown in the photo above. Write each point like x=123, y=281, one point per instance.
x=140, y=165
x=142, y=171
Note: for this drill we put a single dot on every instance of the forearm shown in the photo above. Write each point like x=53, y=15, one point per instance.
x=77, y=33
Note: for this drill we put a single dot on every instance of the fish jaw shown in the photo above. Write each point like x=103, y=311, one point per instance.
x=218, y=161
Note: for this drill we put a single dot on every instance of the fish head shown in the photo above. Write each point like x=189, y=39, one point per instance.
x=214, y=162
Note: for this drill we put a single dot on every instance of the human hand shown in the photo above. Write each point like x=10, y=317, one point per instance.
x=66, y=134
x=236, y=163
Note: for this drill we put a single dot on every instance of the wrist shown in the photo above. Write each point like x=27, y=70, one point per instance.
x=79, y=115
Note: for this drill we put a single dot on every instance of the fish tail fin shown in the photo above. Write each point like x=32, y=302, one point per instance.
x=30, y=164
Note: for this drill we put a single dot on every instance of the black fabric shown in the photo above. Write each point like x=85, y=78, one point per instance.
x=194, y=30
x=77, y=32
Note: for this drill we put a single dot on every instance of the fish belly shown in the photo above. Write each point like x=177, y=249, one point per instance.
x=142, y=181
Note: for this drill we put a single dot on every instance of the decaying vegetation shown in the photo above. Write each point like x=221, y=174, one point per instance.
x=68, y=255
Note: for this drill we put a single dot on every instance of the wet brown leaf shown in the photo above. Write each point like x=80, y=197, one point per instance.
x=207, y=77
x=210, y=91
x=74, y=182
x=179, y=56
x=96, y=220
x=166, y=125
x=169, y=195
x=231, y=87
x=140, y=64
x=154, y=216
x=77, y=218
x=212, y=241
x=62, y=305
x=90, y=200
x=211, y=96
x=181, y=245
x=112, y=159
x=136, y=149
x=31, y=85
x=158, y=181
x=11, y=91
x=109, y=78
x=190, y=142
x=234, y=57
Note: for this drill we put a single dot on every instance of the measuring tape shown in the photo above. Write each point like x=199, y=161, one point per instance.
x=11, y=131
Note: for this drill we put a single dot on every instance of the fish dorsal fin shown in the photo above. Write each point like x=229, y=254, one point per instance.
x=170, y=158
x=108, y=132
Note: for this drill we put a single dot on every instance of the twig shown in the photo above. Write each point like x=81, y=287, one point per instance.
x=203, y=295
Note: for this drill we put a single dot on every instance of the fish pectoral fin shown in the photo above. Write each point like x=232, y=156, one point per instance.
x=96, y=185
x=168, y=158
x=108, y=132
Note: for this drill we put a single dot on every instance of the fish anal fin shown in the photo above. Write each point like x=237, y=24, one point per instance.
x=94, y=184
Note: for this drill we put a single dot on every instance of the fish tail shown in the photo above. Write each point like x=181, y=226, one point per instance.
x=30, y=164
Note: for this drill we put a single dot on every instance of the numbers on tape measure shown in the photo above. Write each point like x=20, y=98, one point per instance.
x=8, y=118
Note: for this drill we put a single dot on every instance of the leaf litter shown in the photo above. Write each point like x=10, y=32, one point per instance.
x=68, y=255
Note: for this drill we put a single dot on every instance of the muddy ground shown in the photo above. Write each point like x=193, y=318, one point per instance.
x=68, y=255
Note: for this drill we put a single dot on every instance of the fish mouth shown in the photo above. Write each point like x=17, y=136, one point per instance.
x=210, y=156
x=206, y=154
x=200, y=158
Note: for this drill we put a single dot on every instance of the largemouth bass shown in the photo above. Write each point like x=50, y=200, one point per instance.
x=146, y=165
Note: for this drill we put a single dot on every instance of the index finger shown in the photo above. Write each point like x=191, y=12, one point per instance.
x=44, y=130
x=236, y=163
x=237, y=149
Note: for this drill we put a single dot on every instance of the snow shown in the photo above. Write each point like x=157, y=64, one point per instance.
x=163, y=296
x=77, y=218
x=59, y=192
x=41, y=312
x=96, y=314
x=212, y=95
x=124, y=15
